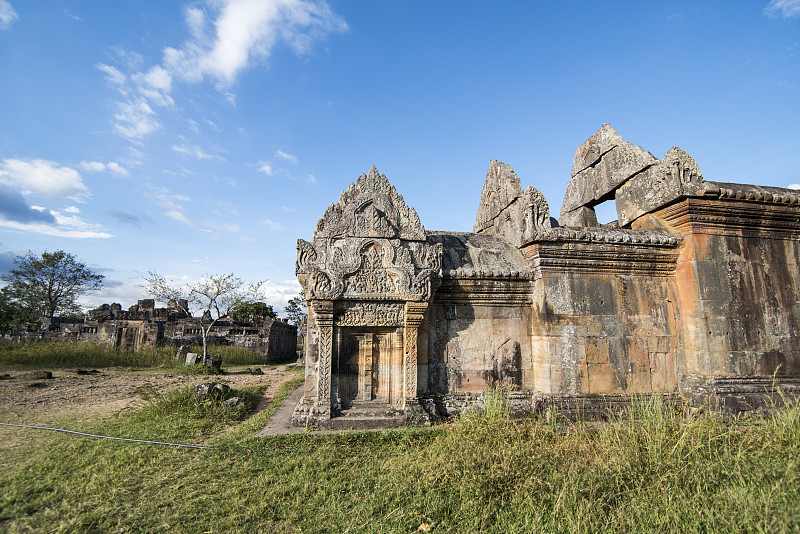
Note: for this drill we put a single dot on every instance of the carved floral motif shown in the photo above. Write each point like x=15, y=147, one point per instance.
x=369, y=314
x=372, y=277
x=370, y=208
x=368, y=268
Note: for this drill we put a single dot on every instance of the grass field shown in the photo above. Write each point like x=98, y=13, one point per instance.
x=98, y=355
x=651, y=471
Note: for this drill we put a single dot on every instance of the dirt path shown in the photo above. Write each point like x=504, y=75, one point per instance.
x=26, y=399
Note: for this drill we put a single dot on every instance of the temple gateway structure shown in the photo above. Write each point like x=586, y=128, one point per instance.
x=692, y=293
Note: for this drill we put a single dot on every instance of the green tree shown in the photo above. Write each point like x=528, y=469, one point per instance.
x=253, y=309
x=10, y=312
x=48, y=285
x=216, y=297
x=296, y=308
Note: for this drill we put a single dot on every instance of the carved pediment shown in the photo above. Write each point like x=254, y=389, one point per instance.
x=371, y=207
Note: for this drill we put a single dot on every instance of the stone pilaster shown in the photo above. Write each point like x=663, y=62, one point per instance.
x=323, y=314
x=414, y=313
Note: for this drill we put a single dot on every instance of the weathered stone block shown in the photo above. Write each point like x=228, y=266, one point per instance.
x=676, y=175
x=583, y=216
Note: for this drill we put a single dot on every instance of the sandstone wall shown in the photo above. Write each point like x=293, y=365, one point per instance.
x=738, y=288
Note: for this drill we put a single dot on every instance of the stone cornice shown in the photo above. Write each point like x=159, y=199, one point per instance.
x=736, y=213
x=602, y=258
x=610, y=236
x=508, y=293
x=750, y=193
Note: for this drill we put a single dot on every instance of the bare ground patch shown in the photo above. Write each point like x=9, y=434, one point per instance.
x=26, y=399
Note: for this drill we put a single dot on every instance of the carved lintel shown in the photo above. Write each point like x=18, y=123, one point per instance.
x=368, y=268
x=354, y=313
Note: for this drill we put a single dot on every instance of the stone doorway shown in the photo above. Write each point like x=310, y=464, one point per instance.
x=368, y=367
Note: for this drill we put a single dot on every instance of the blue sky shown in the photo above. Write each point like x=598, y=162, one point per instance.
x=207, y=137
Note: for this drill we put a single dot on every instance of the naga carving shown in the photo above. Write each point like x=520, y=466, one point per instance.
x=536, y=222
x=678, y=167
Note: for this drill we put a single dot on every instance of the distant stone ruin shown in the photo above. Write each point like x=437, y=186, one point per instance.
x=144, y=325
x=693, y=292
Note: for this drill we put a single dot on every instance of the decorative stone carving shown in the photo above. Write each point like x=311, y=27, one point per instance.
x=369, y=246
x=676, y=175
x=536, y=215
x=370, y=208
x=414, y=313
x=506, y=211
x=349, y=313
x=323, y=317
x=368, y=268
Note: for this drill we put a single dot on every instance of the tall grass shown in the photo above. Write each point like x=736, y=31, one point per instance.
x=95, y=354
x=83, y=354
x=651, y=470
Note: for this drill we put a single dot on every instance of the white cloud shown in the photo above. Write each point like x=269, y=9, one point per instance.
x=174, y=205
x=195, y=151
x=783, y=8
x=794, y=186
x=114, y=76
x=172, y=202
x=135, y=119
x=132, y=60
x=42, y=176
x=265, y=167
x=272, y=225
x=92, y=166
x=155, y=85
x=239, y=33
x=288, y=209
x=226, y=37
x=280, y=292
x=99, y=166
x=284, y=155
x=67, y=225
x=116, y=168
x=7, y=15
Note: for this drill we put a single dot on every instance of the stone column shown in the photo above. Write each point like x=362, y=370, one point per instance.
x=414, y=313
x=323, y=317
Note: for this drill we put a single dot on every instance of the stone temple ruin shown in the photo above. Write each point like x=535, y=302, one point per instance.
x=144, y=325
x=691, y=294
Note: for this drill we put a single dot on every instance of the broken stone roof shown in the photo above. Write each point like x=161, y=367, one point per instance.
x=478, y=255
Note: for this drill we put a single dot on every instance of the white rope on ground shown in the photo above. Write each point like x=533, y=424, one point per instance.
x=112, y=437
x=246, y=450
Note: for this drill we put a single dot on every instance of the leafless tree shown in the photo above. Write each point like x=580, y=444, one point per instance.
x=215, y=296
